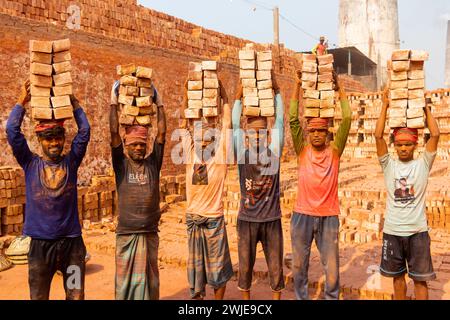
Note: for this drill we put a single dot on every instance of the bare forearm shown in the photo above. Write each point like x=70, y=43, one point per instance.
x=114, y=126
x=381, y=123
x=432, y=123
x=162, y=127
x=226, y=116
x=432, y=144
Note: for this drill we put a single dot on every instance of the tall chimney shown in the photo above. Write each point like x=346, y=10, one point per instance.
x=447, y=63
x=372, y=27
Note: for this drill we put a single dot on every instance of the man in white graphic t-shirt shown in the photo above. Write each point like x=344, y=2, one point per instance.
x=406, y=242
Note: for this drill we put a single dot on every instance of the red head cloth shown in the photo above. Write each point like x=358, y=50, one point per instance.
x=406, y=134
x=46, y=125
x=136, y=134
x=317, y=124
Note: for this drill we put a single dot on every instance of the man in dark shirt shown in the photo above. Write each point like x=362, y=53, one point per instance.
x=259, y=217
x=137, y=183
x=51, y=218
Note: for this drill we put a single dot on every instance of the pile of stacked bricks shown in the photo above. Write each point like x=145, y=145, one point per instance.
x=203, y=90
x=12, y=200
x=99, y=200
x=135, y=95
x=173, y=188
x=51, y=80
x=366, y=108
x=407, y=89
x=317, y=85
x=256, y=78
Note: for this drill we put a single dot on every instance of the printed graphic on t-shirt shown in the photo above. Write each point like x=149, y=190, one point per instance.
x=54, y=177
x=200, y=175
x=257, y=190
x=404, y=191
x=138, y=178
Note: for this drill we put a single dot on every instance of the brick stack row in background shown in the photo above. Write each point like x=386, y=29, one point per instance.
x=317, y=85
x=50, y=79
x=256, y=78
x=365, y=112
x=203, y=90
x=135, y=95
x=12, y=200
x=407, y=89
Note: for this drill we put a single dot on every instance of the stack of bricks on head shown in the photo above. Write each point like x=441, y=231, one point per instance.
x=50, y=79
x=317, y=85
x=407, y=89
x=135, y=95
x=256, y=77
x=203, y=90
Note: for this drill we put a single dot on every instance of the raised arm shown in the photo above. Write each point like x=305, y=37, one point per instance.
x=81, y=140
x=226, y=119
x=432, y=143
x=114, y=117
x=16, y=139
x=344, y=128
x=236, y=119
x=382, y=148
x=160, y=117
x=184, y=105
x=294, y=122
x=277, y=136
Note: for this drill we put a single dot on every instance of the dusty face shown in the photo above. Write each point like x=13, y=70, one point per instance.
x=257, y=138
x=405, y=150
x=136, y=151
x=318, y=137
x=52, y=146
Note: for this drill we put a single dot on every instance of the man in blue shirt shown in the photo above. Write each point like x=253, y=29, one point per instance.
x=51, y=218
x=259, y=217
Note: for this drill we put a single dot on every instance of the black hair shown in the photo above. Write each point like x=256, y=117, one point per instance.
x=57, y=131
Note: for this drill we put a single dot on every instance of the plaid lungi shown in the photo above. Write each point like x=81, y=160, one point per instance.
x=209, y=255
x=137, y=275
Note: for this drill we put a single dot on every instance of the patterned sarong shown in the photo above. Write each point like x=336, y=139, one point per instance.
x=209, y=255
x=137, y=275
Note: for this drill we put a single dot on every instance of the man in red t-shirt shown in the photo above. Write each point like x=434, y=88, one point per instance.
x=317, y=207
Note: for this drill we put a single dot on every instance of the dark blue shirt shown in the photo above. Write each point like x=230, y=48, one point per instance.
x=51, y=188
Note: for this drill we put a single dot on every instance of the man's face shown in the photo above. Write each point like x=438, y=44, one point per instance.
x=52, y=146
x=405, y=150
x=257, y=138
x=322, y=41
x=318, y=137
x=403, y=183
x=136, y=151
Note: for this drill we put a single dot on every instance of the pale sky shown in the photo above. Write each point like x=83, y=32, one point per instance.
x=423, y=23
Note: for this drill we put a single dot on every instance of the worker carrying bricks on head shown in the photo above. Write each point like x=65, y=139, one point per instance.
x=51, y=219
x=406, y=242
x=321, y=48
x=317, y=207
x=259, y=217
x=206, y=150
x=137, y=183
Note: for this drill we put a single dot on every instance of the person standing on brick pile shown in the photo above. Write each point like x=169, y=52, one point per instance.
x=259, y=217
x=316, y=210
x=321, y=48
x=206, y=150
x=51, y=218
x=137, y=183
x=406, y=242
